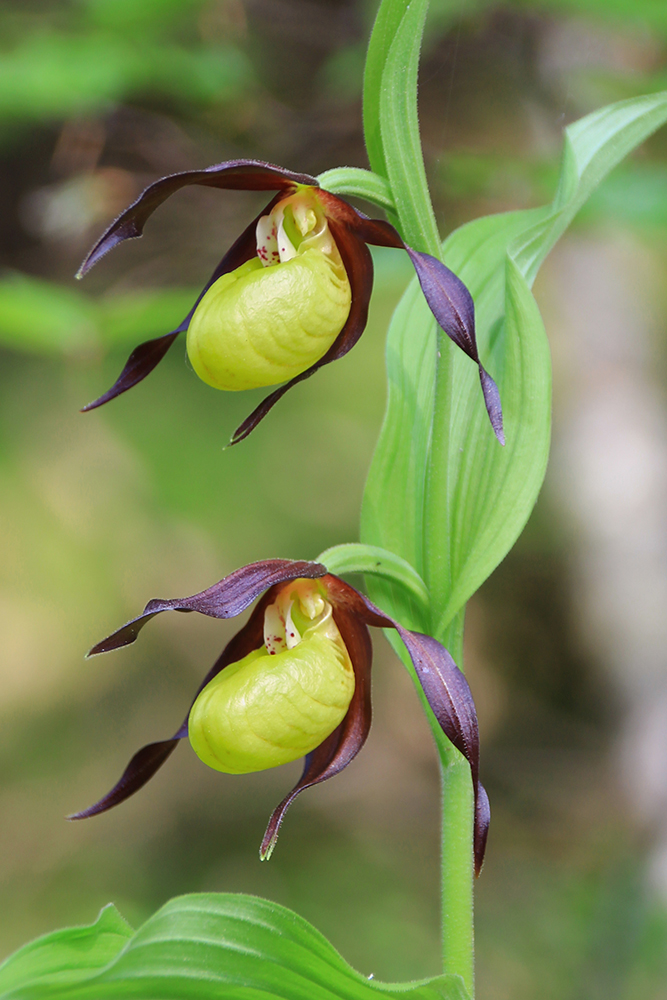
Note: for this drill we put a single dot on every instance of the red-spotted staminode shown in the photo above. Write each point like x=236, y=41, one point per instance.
x=291, y=294
x=295, y=682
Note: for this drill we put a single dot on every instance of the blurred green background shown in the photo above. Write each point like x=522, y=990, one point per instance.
x=100, y=512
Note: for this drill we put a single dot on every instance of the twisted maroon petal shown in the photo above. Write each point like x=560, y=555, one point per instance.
x=150, y=758
x=336, y=752
x=239, y=175
x=147, y=356
x=225, y=599
x=358, y=264
x=448, y=298
x=445, y=687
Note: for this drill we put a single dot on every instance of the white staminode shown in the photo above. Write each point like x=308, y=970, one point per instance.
x=280, y=632
x=273, y=244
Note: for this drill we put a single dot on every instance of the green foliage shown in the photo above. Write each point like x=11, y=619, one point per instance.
x=99, y=52
x=489, y=491
x=63, y=958
x=39, y=316
x=390, y=103
x=51, y=76
x=204, y=946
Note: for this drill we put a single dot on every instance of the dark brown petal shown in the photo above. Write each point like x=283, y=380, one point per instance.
x=448, y=298
x=150, y=758
x=359, y=267
x=225, y=599
x=145, y=357
x=336, y=752
x=243, y=175
x=446, y=689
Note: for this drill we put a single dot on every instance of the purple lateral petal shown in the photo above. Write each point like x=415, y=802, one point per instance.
x=445, y=687
x=225, y=599
x=492, y=402
x=359, y=267
x=448, y=693
x=145, y=357
x=336, y=752
x=150, y=758
x=140, y=363
x=451, y=303
x=448, y=298
x=244, y=175
x=482, y=820
x=141, y=769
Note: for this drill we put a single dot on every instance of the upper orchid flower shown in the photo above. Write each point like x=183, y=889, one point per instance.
x=291, y=294
x=295, y=682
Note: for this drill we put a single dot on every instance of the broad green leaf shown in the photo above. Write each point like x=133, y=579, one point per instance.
x=357, y=558
x=65, y=956
x=490, y=491
x=214, y=946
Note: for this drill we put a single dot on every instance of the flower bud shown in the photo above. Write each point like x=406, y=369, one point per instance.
x=282, y=700
x=279, y=313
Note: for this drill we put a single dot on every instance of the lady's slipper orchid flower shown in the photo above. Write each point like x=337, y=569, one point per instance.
x=295, y=682
x=291, y=294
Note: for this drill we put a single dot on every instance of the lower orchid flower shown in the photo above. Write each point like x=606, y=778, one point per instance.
x=292, y=293
x=295, y=682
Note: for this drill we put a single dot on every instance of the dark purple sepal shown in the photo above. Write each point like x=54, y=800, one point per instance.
x=147, y=761
x=225, y=599
x=140, y=363
x=358, y=264
x=342, y=746
x=147, y=356
x=492, y=403
x=446, y=689
x=482, y=820
x=141, y=769
x=240, y=175
x=448, y=299
x=451, y=303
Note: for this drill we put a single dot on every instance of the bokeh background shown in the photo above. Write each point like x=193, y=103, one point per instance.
x=99, y=512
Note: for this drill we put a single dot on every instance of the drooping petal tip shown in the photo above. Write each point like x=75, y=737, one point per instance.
x=492, y=402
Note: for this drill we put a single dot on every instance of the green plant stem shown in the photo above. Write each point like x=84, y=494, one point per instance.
x=392, y=135
x=458, y=931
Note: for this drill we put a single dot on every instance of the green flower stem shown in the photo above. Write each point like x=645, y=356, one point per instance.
x=457, y=866
x=394, y=146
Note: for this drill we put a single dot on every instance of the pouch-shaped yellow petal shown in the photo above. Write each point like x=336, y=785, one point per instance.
x=266, y=710
x=259, y=326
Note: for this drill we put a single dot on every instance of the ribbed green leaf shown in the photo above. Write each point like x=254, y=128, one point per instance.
x=214, y=946
x=64, y=957
x=399, y=129
x=384, y=31
x=490, y=490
